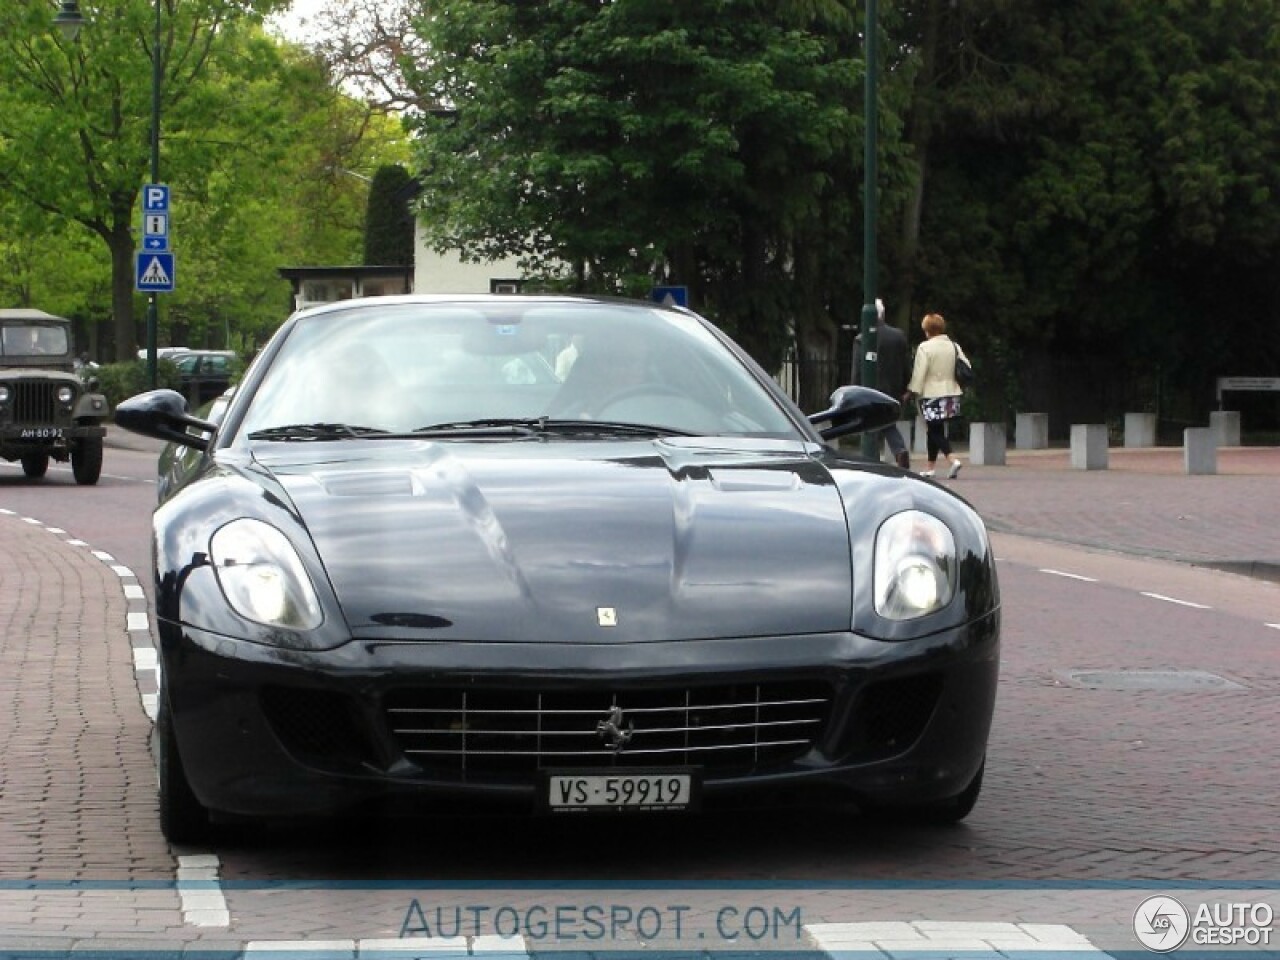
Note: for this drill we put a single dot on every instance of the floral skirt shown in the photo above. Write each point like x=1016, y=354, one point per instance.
x=940, y=408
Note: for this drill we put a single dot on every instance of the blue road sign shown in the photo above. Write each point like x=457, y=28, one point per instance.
x=155, y=231
x=154, y=272
x=155, y=198
x=670, y=296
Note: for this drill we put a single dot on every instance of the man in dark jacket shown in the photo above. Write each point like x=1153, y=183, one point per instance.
x=893, y=371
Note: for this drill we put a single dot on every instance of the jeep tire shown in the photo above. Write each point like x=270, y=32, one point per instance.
x=35, y=465
x=86, y=460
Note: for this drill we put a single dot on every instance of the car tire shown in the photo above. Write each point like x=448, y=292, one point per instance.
x=86, y=461
x=183, y=819
x=940, y=813
x=35, y=465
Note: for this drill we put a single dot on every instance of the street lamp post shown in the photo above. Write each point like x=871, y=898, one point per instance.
x=152, y=305
x=868, y=374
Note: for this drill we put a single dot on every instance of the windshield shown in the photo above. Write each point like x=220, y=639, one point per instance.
x=33, y=340
x=402, y=368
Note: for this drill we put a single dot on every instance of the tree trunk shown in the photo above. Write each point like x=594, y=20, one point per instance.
x=120, y=242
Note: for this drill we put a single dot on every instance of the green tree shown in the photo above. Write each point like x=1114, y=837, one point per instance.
x=614, y=145
x=389, y=221
x=74, y=116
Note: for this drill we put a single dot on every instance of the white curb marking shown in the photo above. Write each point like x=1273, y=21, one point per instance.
x=203, y=904
x=937, y=937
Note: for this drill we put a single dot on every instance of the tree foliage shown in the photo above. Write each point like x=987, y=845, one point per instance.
x=1086, y=188
x=256, y=144
x=389, y=221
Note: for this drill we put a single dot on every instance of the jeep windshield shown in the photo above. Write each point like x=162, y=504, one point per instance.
x=33, y=340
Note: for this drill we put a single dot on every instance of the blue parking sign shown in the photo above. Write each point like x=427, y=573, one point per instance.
x=154, y=272
x=155, y=198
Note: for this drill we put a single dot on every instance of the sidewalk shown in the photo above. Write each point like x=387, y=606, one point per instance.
x=1144, y=503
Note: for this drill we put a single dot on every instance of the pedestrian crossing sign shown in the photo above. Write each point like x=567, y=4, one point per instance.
x=154, y=272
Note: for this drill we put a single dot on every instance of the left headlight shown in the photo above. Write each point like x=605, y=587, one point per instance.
x=4, y=394
x=915, y=566
x=262, y=576
x=66, y=395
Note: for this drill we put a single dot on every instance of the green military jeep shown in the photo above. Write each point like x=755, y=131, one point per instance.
x=46, y=410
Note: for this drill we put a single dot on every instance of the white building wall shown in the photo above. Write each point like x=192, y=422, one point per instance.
x=434, y=273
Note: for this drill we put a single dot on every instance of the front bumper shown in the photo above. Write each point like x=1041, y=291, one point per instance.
x=263, y=731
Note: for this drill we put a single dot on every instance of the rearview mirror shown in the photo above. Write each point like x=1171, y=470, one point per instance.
x=856, y=410
x=162, y=414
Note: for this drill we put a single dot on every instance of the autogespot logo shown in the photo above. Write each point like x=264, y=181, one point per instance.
x=1161, y=924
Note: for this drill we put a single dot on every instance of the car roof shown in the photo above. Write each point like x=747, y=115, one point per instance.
x=30, y=314
x=482, y=298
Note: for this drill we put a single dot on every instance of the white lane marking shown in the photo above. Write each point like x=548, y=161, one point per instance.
x=203, y=904
x=133, y=592
x=7, y=513
x=1181, y=603
x=1069, y=576
x=122, y=571
x=76, y=543
x=57, y=530
x=137, y=620
x=104, y=557
x=33, y=521
x=936, y=937
x=144, y=658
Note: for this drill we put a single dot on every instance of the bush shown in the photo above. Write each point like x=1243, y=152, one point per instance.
x=120, y=381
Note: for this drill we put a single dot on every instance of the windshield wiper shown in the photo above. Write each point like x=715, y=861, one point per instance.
x=316, y=431
x=534, y=426
x=487, y=427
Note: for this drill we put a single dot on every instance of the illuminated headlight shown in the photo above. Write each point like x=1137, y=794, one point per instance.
x=915, y=566
x=4, y=394
x=262, y=576
x=66, y=395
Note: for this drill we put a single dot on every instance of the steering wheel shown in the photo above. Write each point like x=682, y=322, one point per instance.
x=655, y=390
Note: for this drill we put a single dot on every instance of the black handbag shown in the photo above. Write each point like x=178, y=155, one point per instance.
x=964, y=372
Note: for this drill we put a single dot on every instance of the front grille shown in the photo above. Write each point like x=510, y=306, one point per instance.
x=724, y=729
x=34, y=402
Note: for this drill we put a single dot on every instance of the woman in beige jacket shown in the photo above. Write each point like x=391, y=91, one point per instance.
x=933, y=381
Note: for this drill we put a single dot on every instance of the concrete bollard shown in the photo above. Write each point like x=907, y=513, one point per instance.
x=1139, y=429
x=987, y=444
x=1225, y=425
x=1031, y=431
x=1089, y=446
x=1199, y=450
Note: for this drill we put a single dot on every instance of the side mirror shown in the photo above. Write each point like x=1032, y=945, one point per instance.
x=162, y=414
x=856, y=410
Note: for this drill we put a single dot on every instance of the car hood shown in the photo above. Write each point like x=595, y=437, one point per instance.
x=557, y=541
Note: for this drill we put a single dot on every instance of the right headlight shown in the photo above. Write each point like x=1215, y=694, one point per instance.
x=4, y=394
x=262, y=575
x=915, y=566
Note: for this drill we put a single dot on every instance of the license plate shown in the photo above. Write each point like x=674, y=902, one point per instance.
x=41, y=433
x=668, y=790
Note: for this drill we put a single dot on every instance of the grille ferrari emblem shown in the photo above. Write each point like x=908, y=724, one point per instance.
x=612, y=731
x=607, y=616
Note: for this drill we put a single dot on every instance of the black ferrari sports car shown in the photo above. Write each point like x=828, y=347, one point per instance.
x=572, y=555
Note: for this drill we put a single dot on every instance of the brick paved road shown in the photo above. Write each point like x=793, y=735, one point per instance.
x=1091, y=784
